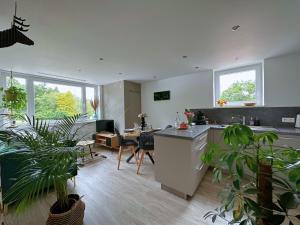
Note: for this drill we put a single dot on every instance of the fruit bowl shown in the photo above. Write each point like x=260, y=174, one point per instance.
x=249, y=104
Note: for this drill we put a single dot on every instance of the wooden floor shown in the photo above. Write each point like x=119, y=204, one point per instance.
x=122, y=197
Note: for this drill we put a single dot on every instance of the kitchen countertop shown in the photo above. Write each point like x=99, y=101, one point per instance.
x=197, y=130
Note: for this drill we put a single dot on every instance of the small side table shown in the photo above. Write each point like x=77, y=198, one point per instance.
x=84, y=144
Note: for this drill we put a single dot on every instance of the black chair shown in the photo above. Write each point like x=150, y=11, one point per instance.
x=146, y=144
x=125, y=144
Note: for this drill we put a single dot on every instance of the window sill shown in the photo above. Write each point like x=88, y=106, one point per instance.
x=236, y=106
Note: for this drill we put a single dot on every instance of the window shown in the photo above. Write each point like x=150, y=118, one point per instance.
x=51, y=98
x=240, y=85
x=55, y=101
x=90, y=97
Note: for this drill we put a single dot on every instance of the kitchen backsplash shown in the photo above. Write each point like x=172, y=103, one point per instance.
x=268, y=116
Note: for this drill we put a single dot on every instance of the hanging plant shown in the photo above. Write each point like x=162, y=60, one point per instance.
x=14, y=99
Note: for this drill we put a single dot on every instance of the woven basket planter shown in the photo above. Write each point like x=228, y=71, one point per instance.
x=72, y=217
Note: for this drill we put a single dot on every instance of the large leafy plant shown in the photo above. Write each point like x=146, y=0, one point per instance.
x=48, y=162
x=269, y=192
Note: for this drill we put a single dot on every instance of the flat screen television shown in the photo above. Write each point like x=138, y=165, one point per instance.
x=161, y=95
x=105, y=125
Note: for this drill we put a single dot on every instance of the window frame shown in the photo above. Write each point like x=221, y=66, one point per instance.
x=259, y=92
x=30, y=79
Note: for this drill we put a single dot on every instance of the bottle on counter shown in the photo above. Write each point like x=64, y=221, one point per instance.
x=177, y=120
x=251, y=122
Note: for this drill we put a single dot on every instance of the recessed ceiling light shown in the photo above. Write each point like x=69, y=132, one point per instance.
x=235, y=28
x=184, y=56
x=101, y=59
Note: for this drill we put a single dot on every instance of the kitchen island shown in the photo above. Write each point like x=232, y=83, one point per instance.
x=177, y=152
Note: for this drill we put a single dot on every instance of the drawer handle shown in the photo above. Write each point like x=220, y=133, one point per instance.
x=201, y=147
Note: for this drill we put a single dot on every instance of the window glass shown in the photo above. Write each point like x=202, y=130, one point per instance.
x=90, y=100
x=239, y=86
x=55, y=101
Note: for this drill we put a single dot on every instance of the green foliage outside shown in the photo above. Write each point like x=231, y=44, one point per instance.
x=240, y=91
x=50, y=103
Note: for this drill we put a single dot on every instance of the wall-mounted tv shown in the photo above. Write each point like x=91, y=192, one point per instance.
x=161, y=95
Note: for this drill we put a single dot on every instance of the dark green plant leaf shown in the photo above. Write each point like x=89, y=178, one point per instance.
x=252, y=205
x=213, y=219
x=251, y=163
x=289, y=200
x=294, y=174
x=277, y=219
x=236, y=184
x=250, y=191
x=244, y=222
x=239, y=168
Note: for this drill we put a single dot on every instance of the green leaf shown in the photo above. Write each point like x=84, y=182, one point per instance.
x=252, y=205
x=230, y=159
x=294, y=175
x=277, y=219
x=250, y=191
x=213, y=219
x=244, y=222
x=236, y=184
x=251, y=163
x=289, y=200
x=239, y=168
x=237, y=214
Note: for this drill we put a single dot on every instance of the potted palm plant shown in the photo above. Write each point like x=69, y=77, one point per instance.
x=269, y=193
x=48, y=163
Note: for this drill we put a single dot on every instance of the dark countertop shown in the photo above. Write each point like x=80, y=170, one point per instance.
x=197, y=130
x=189, y=134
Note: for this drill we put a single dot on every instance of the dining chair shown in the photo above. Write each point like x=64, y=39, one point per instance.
x=146, y=144
x=125, y=144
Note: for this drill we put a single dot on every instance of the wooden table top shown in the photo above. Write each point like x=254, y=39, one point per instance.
x=85, y=143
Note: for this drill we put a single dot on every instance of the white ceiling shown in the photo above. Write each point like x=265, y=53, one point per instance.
x=144, y=39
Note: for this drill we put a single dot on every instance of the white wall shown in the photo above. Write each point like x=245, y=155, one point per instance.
x=188, y=91
x=113, y=97
x=282, y=80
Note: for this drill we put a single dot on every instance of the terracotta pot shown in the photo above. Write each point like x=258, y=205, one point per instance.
x=72, y=217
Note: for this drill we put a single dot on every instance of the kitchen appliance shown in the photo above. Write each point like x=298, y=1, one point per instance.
x=297, y=125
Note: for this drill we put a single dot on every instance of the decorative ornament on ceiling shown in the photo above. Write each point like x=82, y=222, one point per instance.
x=15, y=34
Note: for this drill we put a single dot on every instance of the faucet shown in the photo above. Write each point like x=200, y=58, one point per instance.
x=242, y=119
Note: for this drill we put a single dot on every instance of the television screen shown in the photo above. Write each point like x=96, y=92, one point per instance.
x=105, y=125
x=161, y=95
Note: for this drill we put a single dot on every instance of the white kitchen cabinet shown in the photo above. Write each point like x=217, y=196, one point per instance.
x=178, y=166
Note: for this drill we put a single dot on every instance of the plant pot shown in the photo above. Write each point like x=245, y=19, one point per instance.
x=74, y=216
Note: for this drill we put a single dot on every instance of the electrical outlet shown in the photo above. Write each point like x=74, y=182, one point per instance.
x=288, y=120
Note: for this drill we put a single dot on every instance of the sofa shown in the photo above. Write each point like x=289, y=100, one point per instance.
x=10, y=163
